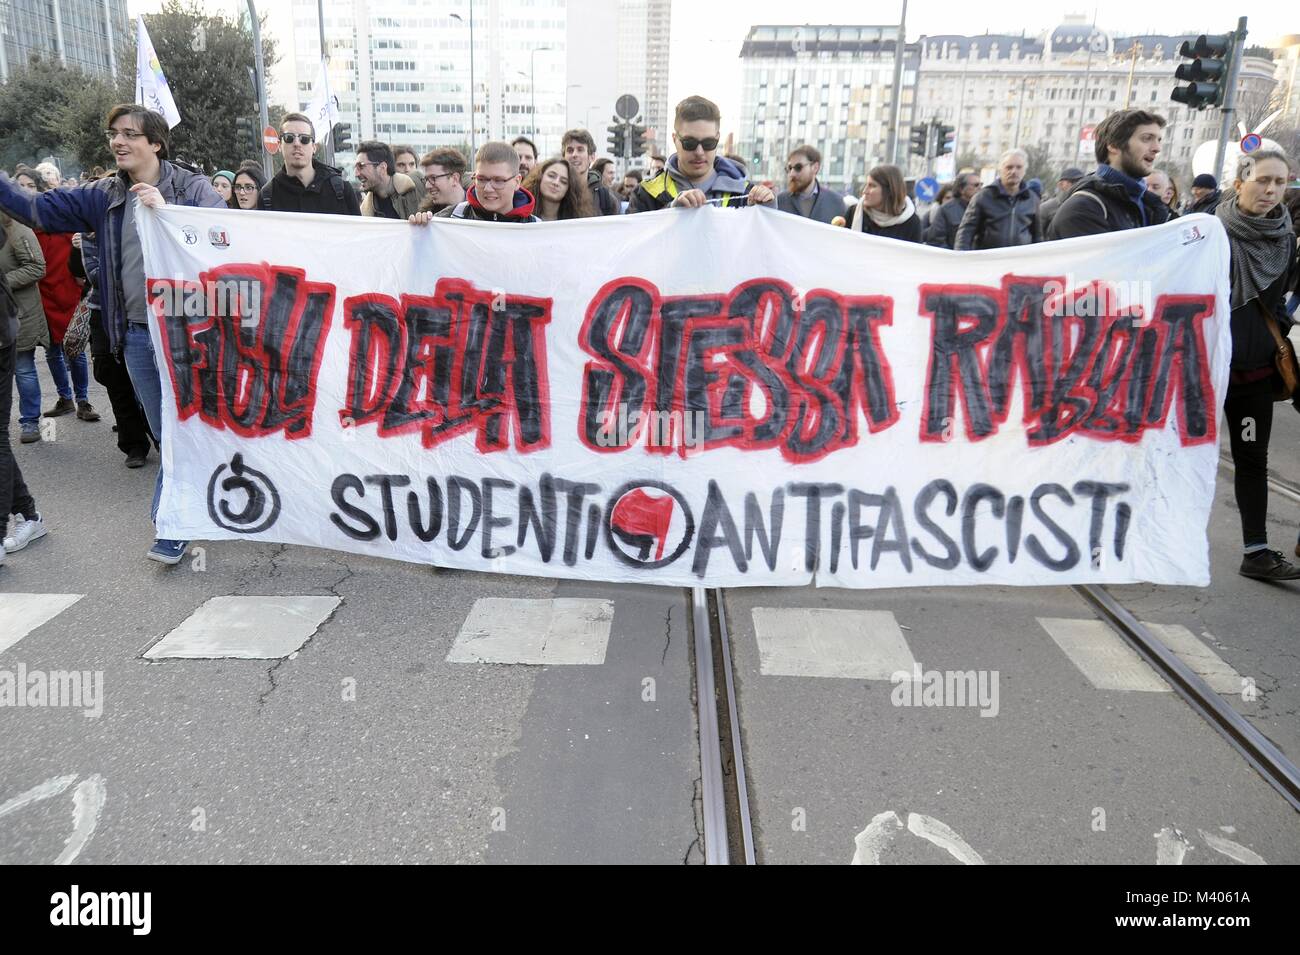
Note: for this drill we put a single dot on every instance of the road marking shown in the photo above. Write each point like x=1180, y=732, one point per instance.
x=245, y=628
x=536, y=632
x=1203, y=661
x=1100, y=655
x=87, y=804
x=852, y=644
x=870, y=841
x=20, y=614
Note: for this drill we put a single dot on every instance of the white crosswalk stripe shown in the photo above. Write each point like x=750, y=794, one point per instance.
x=820, y=642
x=20, y=614
x=246, y=628
x=562, y=630
x=1107, y=661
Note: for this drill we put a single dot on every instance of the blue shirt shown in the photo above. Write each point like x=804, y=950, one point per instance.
x=1132, y=186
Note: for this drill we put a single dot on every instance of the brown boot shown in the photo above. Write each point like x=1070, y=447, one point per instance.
x=85, y=412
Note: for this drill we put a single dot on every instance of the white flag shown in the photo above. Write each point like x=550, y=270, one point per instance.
x=324, y=107
x=151, y=89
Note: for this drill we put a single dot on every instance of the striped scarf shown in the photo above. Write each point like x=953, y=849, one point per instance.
x=1261, y=247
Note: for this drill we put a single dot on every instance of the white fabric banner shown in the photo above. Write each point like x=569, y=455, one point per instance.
x=713, y=396
x=324, y=106
x=151, y=87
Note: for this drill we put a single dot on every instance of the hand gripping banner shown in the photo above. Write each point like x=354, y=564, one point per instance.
x=709, y=396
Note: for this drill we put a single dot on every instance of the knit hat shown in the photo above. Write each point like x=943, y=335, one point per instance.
x=1205, y=181
x=1072, y=174
x=225, y=174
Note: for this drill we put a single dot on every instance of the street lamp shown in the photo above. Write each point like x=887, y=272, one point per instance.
x=532, y=81
x=470, y=23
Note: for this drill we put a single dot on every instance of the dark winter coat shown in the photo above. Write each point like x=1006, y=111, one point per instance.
x=1096, y=205
x=995, y=219
x=942, y=232
x=329, y=193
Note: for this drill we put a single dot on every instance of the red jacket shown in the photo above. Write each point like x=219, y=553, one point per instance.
x=60, y=292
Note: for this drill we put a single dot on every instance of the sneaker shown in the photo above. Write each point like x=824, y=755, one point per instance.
x=170, y=552
x=61, y=407
x=31, y=434
x=86, y=412
x=136, y=459
x=25, y=532
x=1268, y=565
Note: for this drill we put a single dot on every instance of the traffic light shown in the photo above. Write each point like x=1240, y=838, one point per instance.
x=1211, y=57
x=342, y=137
x=636, y=139
x=244, y=135
x=920, y=140
x=617, y=139
x=945, y=138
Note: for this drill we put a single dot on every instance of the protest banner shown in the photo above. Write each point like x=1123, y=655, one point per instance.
x=717, y=397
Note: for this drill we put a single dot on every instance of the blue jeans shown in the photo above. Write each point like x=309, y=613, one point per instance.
x=29, y=389
x=142, y=368
x=59, y=367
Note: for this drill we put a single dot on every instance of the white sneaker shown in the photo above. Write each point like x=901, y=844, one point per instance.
x=25, y=532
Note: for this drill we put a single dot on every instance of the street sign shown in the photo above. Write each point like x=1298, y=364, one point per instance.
x=927, y=189
x=271, y=140
x=1250, y=142
x=626, y=106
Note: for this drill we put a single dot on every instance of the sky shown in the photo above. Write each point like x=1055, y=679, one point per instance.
x=706, y=40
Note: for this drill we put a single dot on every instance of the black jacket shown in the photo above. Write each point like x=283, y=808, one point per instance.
x=8, y=309
x=910, y=230
x=1253, y=345
x=1207, y=204
x=328, y=193
x=942, y=233
x=994, y=219
x=1095, y=206
x=602, y=200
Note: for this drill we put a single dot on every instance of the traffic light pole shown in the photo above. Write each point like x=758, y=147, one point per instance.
x=267, y=168
x=1230, y=95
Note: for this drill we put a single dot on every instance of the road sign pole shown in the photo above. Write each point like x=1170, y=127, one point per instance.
x=1230, y=96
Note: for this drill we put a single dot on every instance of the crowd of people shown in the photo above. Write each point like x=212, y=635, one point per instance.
x=69, y=246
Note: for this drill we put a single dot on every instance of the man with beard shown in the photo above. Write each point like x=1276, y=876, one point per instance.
x=1113, y=198
x=804, y=195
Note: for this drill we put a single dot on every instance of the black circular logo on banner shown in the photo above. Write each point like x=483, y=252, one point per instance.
x=261, y=501
x=640, y=524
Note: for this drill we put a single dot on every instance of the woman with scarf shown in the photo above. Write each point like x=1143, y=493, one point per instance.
x=885, y=209
x=1262, y=241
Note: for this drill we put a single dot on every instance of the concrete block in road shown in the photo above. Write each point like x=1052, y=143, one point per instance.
x=20, y=614
x=245, y=628
x=852, y=644
x=562, y=630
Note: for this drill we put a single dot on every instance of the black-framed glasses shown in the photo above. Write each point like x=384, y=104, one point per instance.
x=431, y=178
x=690, y=143
x=305, y=138
x=245, y=187
x=495, y=184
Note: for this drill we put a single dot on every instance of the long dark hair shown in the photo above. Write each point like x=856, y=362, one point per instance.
x=254, y=173
x=893, y=192
x=576, y=203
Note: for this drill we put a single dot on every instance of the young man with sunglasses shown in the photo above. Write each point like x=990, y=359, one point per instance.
x=805, y=195
x=389, y=194
x=695, y=173
x=306, y=184
x=496, y=195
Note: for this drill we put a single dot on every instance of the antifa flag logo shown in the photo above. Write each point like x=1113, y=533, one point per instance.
x=648, y=518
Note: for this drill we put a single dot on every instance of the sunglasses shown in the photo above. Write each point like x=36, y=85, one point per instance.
x=305, y=138
x=797, y=166
x=690, y=143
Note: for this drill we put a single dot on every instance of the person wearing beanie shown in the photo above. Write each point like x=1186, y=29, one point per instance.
x=223, y=180
x=1205, y=195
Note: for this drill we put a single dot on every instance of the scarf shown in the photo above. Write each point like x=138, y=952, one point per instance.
x=879, y=219
x=1261, y=247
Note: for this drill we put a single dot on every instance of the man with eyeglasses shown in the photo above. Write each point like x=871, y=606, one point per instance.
x=496, y=195
x=138, y=139
x=579, y=150
x=444, y=179
x=805, y=195
x=695, y=174
x=306, y=184
x=389, y=194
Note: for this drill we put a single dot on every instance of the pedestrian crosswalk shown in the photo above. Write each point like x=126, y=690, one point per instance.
x=569, y=631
